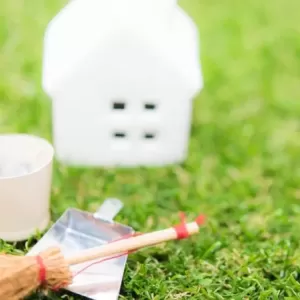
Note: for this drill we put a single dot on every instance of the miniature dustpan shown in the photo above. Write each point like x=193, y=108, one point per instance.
x=77, y=230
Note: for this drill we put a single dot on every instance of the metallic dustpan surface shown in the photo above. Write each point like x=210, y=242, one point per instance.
x=78, y=230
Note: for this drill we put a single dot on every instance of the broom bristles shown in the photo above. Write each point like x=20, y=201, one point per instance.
x=20, y=276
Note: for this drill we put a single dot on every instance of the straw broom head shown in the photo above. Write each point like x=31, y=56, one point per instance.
x=21, y=276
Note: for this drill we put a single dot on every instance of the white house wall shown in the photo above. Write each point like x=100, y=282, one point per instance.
x=83, y=111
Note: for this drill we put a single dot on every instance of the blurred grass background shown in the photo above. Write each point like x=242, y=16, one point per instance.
x=243, y=168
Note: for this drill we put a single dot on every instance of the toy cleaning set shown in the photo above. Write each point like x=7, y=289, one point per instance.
x=121, y=75
x=82, y=253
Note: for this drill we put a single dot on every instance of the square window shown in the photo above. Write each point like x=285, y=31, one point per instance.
x=119, y=105
x=149, y=135
x=119, y=134
x=150, y=106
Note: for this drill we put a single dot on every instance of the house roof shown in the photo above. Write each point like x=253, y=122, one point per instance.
x=70, y=37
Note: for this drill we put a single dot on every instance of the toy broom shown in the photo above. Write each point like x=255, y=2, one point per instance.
x=21, y=276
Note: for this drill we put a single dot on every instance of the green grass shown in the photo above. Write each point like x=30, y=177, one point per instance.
x=243, y=168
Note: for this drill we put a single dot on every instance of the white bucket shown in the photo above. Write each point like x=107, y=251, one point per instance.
x=25, y=185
